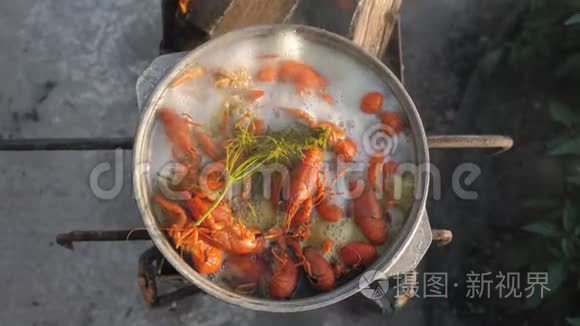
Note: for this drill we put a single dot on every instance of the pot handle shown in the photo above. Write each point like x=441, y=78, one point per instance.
x=416, y=249
x=471, y=141
x=407, y=269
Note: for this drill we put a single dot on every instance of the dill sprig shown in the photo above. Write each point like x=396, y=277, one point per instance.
x=246, y=153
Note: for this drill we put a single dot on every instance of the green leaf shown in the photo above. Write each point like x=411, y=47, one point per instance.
x=541, y=203
x=492, y=59
x=573, y=20
x=570, y=217
x=575, y=180
x=554, y=141
x=567, y=247
x=573, y=321
x=562, y=113
x=534, y=300
x=557, y=275
x=543, y=228
x=577, y=231
x=570, y=146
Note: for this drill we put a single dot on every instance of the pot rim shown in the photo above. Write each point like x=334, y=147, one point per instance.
x=141, y=172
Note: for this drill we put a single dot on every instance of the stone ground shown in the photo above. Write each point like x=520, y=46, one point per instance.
x=69, y=70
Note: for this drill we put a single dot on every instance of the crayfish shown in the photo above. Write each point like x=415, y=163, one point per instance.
x=358, y=254
x=206, y=259
x=318, y=270
x=285, y=271
x=368, y=216
x=244, y=272
x=304, y=181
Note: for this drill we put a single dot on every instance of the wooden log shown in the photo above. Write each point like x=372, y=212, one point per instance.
x=371, y=22
x=204, y=14
x=243, y=13
x=217, y=17
x=374, y=23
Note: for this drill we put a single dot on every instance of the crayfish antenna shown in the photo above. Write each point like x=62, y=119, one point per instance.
x=280, y=259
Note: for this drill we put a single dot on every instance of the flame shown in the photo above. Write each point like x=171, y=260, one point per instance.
x=183, y=6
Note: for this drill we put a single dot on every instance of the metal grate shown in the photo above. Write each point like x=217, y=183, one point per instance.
x=179, y=34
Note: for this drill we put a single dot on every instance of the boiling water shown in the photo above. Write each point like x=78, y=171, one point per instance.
x=349, y=81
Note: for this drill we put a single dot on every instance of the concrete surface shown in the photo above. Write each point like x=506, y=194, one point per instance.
x=69, y=69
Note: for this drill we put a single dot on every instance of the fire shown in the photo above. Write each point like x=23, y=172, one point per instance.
x=183, y=4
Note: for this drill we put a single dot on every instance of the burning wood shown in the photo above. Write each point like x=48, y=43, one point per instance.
x=183, y=6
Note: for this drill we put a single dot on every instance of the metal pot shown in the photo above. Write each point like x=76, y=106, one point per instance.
x=402, y=256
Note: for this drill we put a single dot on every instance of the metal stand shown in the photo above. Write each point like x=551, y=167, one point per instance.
x=68, y=239
x=66, y=144
x=181, y=35
x=151, y=270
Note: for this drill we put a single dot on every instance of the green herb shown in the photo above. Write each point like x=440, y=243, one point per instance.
x=247, y=152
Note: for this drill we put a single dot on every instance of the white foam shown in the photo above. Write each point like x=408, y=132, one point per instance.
x=348, y=81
